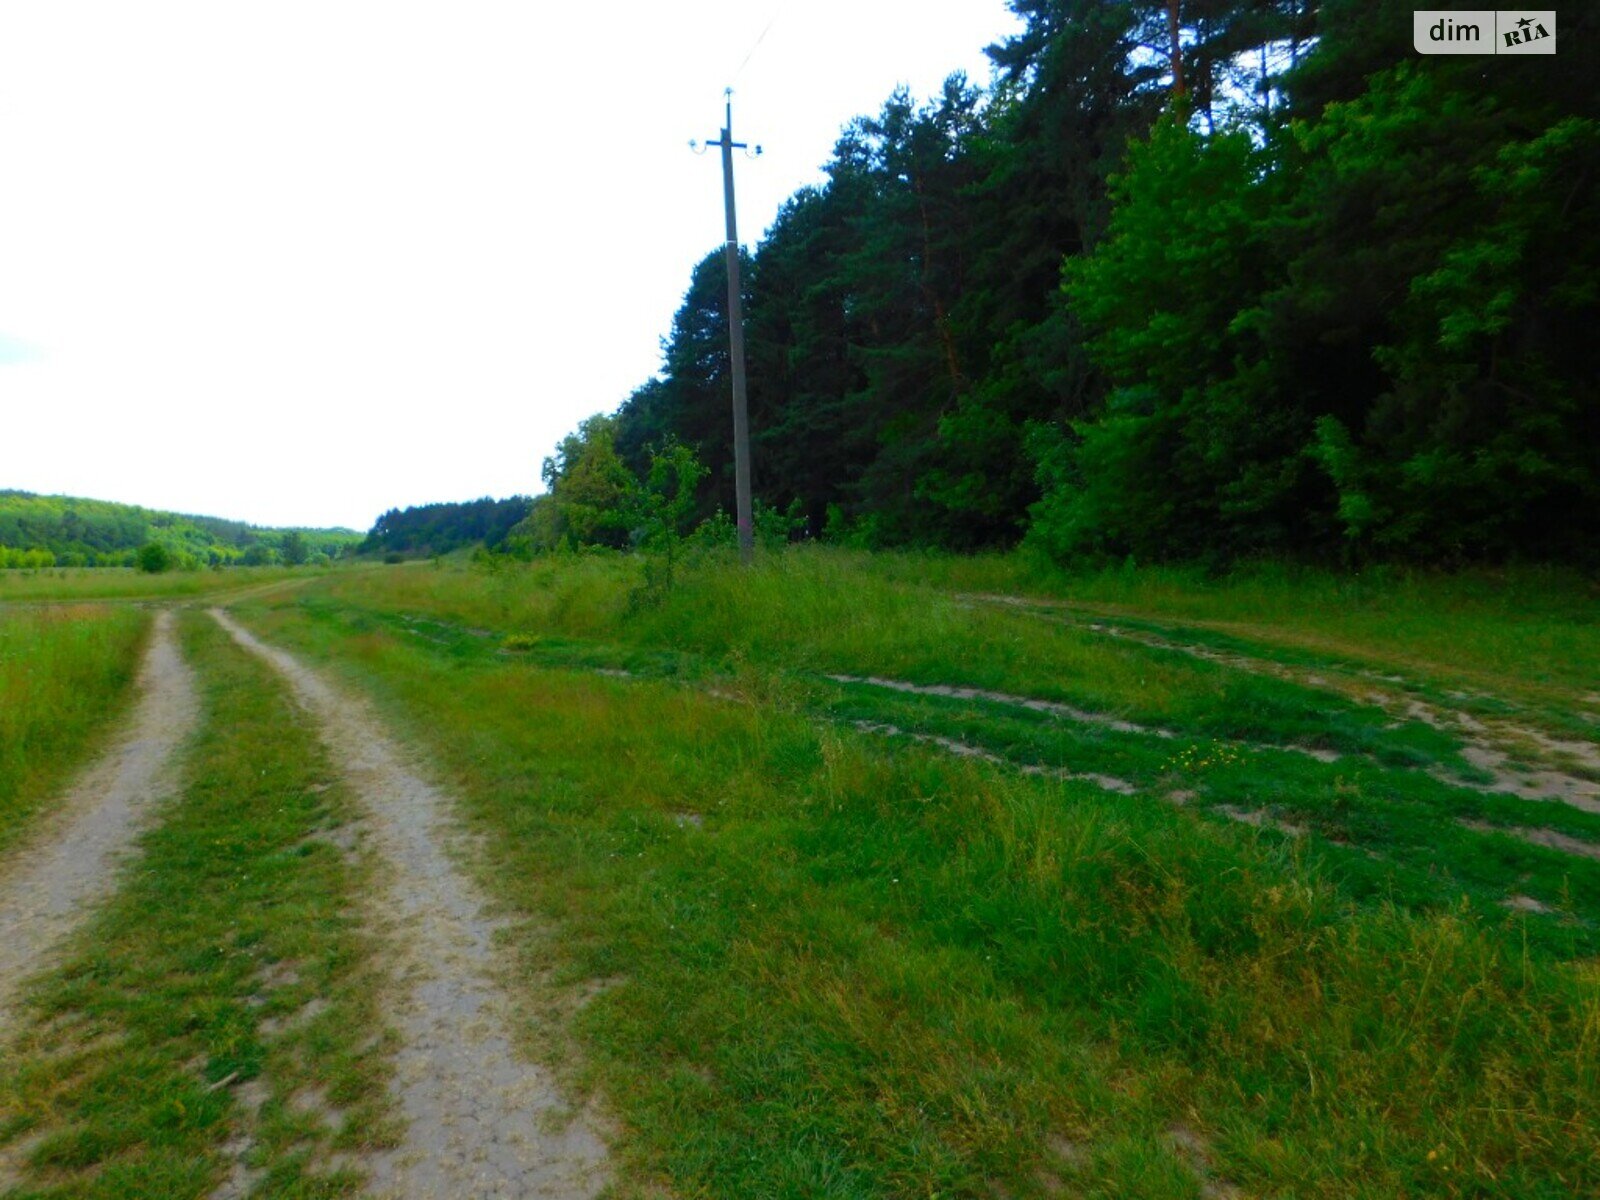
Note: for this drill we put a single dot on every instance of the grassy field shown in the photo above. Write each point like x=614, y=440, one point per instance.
x=65, y=673
x=216, y=1021
x=1528, y=631
x=74, y=584
x=1300, y=950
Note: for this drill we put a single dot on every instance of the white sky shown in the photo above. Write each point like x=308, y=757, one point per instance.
x=296, y=263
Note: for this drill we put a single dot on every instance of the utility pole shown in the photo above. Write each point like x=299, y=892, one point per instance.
x=741, y=411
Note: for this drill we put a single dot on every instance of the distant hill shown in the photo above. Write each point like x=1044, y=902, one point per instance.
x=70, y=531
x=440, y=528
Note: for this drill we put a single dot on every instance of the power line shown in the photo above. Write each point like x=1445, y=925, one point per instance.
x=763, y=37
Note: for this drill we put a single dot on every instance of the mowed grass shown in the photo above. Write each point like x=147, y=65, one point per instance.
x=828, y=964
x=217, y=1019
x=66, y=674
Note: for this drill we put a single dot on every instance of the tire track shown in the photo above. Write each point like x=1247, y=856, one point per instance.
x=1067, y=712
x=1492, y=745
x=479, y=1120
x=52, y=881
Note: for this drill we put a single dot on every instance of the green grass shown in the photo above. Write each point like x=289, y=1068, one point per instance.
x=1389, y=831
x=1386, y=835
x=823, y=963
x=126, y=583
x=65, y=674
x=189, y=992
x=1385, y=814
x=1531, y=633
x=819, y=611
x=846, y=966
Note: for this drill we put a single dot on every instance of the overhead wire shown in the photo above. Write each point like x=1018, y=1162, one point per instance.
x=777, y=12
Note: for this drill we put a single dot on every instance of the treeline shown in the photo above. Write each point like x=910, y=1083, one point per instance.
x=15, y=559
x=1190, y=279
x=429, y=529
x=67, y=531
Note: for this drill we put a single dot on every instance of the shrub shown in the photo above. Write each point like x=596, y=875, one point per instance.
x=154, y=558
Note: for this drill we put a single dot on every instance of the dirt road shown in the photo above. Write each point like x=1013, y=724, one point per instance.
x=480, y=1120
x=52, y=881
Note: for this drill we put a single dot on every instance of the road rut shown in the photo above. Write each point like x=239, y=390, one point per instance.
x=480, y=1120
x=53, y=881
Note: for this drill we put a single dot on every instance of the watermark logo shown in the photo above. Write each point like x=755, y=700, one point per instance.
x=1525, y=32
x=1484, y=31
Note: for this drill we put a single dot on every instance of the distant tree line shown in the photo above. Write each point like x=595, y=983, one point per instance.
x=65, y=531
x=1191, y=278
x=429, y=529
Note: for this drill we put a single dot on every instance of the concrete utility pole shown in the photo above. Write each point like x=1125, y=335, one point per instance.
x=741, y=412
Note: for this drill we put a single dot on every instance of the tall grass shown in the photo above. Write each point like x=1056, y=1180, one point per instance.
x=861, y=971
x=824, y=610
x=1524, y=628
x=844, y=968
x=64, y=674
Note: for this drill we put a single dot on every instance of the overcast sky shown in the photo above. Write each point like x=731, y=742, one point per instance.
x=296, y=263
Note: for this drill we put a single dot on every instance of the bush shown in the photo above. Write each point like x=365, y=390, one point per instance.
x=259, y=554
x=154, y=558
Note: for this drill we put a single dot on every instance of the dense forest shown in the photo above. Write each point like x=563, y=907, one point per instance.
x=1187, y=279
x=429, y=529
x=66, y=531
